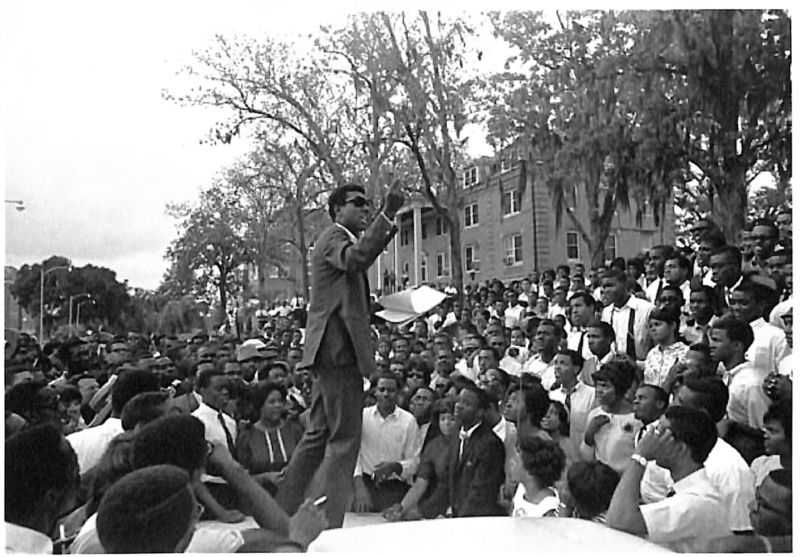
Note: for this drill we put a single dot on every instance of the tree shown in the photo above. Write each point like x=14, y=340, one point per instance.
x=211, y=245
x=110, y=298
x=584, y=117
x=730, y=72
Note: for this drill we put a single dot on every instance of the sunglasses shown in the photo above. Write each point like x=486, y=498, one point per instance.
x=359, y=202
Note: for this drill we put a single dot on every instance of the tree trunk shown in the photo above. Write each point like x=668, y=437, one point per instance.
x=223, y=297
x=301, y=244
x=455, y=255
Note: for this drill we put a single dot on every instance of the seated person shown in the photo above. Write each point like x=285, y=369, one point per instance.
x=589, y=489
x=420, y=501
x=543, y=463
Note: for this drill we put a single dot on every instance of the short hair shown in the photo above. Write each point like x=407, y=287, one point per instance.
x=660, y=394
x=37, y=461
x=544, y=460
x=781, y=412
x=637, y=263
x=673, y=288
x=736, y=330
x=708, y=291
x=504, y=377
x=606, y=329
x=69, y=394
x=537, y=402
x=729, y=252
x=620, y=373
x=129, y=384
x=592, y=485
x=143, y=408
x=494, y=352
x=575, y=357
x=714, y=237
x=483, y=398
x=711, y=395
x=683, y=261
x=204, y=376
x=584, y=295
x=338, y=197
x=177, y=439
x=147, y=511
x=666, y=315
x=445, y=405
x=769, y=224
x=694, y=428
x=616, y=275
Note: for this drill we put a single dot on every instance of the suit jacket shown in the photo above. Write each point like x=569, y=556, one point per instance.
x=475, y=479
x=338, y=329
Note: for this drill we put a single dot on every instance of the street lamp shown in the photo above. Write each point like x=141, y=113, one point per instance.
x=78, y=312
x=77, y=297
x=41, y=296
x=20, y=205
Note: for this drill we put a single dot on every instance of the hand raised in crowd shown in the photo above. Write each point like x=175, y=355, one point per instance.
x=657, y=443
x=395, y=199
x=307, y=523
x=597, y=423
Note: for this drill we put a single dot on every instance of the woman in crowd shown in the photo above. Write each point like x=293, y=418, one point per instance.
x=543, y=463
x=556, y=424
x=265, y=446
x=612, y=426
x=668, y=350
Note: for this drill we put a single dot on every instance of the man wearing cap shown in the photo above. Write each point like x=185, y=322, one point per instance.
x=338, y=348
x=251, y=358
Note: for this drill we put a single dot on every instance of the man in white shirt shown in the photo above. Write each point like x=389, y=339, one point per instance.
x=42, y=481
x=725, y=467
x=769, y=342
x=658, y=256
x=90, y=444
x=676, y=274
x=514, y=312
x=574, y=394
x=389, y=453
x=628, y=315
x=600, y=338
x=581, y=313
x=695, y=513
x=541, y=364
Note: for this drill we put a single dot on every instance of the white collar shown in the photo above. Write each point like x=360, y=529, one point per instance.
x=394, y=412
x=471, y=430
x=349, y=233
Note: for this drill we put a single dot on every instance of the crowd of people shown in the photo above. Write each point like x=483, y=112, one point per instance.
x=652, y=395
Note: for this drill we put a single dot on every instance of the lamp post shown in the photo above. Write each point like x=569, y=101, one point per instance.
x=78, y=312
x=41, y=297
x=71, y=299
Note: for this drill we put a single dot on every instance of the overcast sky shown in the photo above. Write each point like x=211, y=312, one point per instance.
x=90, y=145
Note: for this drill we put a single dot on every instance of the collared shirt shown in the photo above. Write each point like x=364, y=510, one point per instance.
x=349, y=232
x=768, y=348
x=422, y=432
x=390, y=439
x=511, y=365
x=727, y=291
x=652, y=289
x=502, y=428
x=659, y=361
x=581, y=401
x=574, y=341
x=786, y=365
x=544, y=370
x=695, y=514
x=618, y=318
x=24, y=540
x=463, y=436
x=90, y=444
x=215, y=433
x=763, y=465
x=728, y=473
x=747, y=401
x=592, y=364
x=513, y=315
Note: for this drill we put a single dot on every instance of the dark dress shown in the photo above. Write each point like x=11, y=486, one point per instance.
x=260, y=450
x=433, y=467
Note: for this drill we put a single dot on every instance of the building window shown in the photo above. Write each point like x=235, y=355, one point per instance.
x=424, y=231
x=573, y=246
x=611, y=247
x=507, y=163
x=405, y=237
x=512, y=200
x=471, y=215
x=470, y=176
x=512, y=246
x=424, y=270
x=471, y=258
x=571, y=196
x=443, y=264
x=441, y=226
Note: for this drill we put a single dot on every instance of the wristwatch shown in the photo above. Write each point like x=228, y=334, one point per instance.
x=640, y=459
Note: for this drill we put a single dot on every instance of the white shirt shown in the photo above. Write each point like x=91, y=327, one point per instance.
x=747, y=401
x=511, y=365
x=574, y=340
x=691, y=517
x=24, y=540
x=619, y=317
x=90, y=444
x=727, y=471
x=543, y=370
x=652, y=289
x=390, y=439
x=215, y=433
x=513, y=315
x=763, y=465
x=786, y=365
x=776, y=315
x=502, y=429
x=525, y=509
x=768, y=348
x=613, y=444
x=581, y=402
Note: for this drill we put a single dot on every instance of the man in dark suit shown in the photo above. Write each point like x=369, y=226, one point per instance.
x=338, y=348
x=475, y=463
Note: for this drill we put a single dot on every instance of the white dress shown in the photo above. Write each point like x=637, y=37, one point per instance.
x=526, y=509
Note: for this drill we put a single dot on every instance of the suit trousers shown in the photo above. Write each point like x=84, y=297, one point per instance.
x=330, y=443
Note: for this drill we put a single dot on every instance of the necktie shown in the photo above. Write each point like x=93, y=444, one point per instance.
x=670, y=493
x=659, y=289
x=228, y=436
x=640, y=434
x=630, y=348
x=580, y=343
x=463, y=437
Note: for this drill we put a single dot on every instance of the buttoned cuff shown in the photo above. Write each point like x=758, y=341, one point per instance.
x=387, y=219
